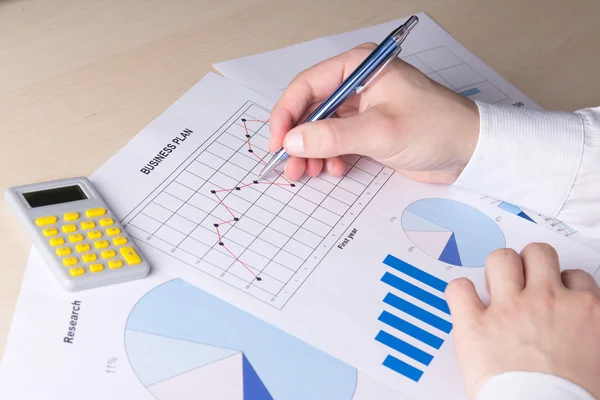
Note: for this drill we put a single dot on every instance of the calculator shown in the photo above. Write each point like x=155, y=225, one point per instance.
x=76, y=233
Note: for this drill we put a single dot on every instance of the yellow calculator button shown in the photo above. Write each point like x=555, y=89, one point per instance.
x=108, y=254
x=63, y=251
x=101, y=244
x=57, y=241
x=94, y=234
x=76, y=271
x=112, y=264
x=71, y=216
x=85, y=225
x=89, y=257
x=112, y=231
x=96, y=267
x=69, y=228
x=81, y=248
x=68, y=261
x=50, y=232
x=119, y=241
x=43, y=221
x=95, y=212
x=130, y=255
x=106, y=222
x=77, y=237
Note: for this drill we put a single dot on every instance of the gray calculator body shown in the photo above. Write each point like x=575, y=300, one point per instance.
x=92, y=260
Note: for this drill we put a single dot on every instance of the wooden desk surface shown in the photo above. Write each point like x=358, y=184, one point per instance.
x=79, y=79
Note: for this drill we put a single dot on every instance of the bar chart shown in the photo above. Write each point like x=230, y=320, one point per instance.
x=416, y=318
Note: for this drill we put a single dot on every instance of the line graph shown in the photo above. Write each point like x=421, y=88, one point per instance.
x=236, y=219
x=262, y=237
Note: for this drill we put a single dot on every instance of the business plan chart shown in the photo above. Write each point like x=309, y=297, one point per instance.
x=263, y=237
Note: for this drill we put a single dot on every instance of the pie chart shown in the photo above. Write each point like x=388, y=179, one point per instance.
x=452, y=232
x=185, y=344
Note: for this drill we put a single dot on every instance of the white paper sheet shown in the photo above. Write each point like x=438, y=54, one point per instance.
x=160, y=337
x=428, y=47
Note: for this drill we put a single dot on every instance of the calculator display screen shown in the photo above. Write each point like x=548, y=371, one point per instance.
x=49, y=197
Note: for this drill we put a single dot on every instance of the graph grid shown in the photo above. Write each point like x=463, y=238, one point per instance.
x=264, y=238
x=445, y=67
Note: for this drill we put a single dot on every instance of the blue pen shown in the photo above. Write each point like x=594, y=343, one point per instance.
x=355, y=83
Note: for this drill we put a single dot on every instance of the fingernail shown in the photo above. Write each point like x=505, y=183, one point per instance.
x=270, y=142
x=329, y=166
x=294, y=142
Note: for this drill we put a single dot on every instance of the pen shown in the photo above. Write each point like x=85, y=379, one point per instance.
x=364, y=74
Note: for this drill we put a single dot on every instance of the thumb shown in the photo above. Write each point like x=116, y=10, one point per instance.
x=332, y=137
x=463, y=300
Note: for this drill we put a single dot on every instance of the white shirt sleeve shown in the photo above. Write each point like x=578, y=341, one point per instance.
x=531, y=386
x=545, y=161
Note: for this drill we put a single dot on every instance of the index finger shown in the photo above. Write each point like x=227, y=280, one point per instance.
x=310, y=86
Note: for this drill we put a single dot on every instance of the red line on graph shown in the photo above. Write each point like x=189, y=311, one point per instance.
x=221, y=202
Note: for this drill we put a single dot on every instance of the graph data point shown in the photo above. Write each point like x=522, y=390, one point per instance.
x=250, y=151
x=243, y=119
x=216, y=225
x=255, y=182
x=292, y=184
x=236, y=219
x=238, y=188
x=213, y=191
x=221, y=244
x=258, y=278
x=248, y=136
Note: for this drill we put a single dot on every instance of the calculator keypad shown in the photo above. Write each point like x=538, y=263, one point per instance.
x=48, y=220
x=76, y=237
x=56, y=241
x=50, y=232
x=94, y=235
x=82, y=248
x=119, y=241
x=112, y=231
x=95, y=212
x=85, y=250
x=63, y=251
x=69, y=228
x=101, y=244
x=86, y=225
x=89, y=257
x=71, y=216
x=106, y=222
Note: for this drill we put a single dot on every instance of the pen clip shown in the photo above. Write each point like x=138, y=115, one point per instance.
x=362, y=87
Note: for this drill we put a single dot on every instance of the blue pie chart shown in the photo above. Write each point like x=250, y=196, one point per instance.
x=452, y=232
x=185, y=344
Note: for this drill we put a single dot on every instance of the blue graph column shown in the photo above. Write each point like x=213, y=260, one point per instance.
x=412, y=302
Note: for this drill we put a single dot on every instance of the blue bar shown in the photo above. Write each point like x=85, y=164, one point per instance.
x=469, y=92
x=403, y=347
x=415, y=273
x=411, y=330
x=418, y=312
x=416, y=292
x=403, y=368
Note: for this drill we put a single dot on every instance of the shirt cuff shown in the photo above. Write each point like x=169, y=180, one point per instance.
x=531, y=386
x=526, y=157
x=581, y=207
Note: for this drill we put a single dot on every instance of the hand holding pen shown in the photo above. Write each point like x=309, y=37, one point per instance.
x=403, y=120
x=356, y=82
